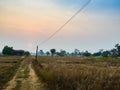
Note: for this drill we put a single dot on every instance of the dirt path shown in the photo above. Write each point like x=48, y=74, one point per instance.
x=25, y=78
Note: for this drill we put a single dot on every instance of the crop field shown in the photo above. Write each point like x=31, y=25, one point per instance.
x=76, y=73
x=8, y=67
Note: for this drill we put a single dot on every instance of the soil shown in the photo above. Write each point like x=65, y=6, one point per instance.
x=25, y=78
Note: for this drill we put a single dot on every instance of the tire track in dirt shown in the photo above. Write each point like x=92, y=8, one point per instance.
x=12, y=83
x=35, y=83
x=25, y=78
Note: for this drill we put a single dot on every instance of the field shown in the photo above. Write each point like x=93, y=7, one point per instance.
x=8, y=67
x=75, y=73
x=60, y=73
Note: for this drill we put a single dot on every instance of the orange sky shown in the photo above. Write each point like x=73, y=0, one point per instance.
x=25, y=23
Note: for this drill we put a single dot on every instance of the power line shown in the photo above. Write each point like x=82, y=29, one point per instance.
x=66, y=22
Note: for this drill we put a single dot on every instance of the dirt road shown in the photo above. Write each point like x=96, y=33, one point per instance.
x=25, y=78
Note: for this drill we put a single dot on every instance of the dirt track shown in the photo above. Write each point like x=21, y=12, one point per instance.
x=25, y=78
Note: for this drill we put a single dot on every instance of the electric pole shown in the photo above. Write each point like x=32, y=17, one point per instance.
x=36, y=53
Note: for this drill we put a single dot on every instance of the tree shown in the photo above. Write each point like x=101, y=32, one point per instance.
x=41, y=52
x=97, y=54
x=7, y=50
x=76, y=52
x=106, y=53
x=86, y=53
x=61, y=53
x=27, y=53
x=118, y=49
x=48, y=53
x=52, y=51
x=113, y=53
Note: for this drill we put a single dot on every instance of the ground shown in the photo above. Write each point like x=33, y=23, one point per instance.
x=25, y=78
x=66, y=73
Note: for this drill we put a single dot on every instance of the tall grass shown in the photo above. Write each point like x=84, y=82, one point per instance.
x=79, y=73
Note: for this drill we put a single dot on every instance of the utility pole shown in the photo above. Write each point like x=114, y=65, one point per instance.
x=36, y=53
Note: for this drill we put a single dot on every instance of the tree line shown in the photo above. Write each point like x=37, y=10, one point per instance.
x=115, y=52
x=10, y=51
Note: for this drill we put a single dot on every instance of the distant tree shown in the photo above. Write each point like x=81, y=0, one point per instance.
x=27, y=53
x=48, y=53
x=113, y=53
x=99, y=53
x=61, y=53
x=106, y=53
x=53, y=51
x=67, y=54
x=7, y=50
x=76, y=52
x=86, y=53
x=41, y=52
x=58, y=53
x=118, y=49
x=72, y=54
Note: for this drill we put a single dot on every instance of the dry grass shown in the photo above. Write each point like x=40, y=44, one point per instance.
x=8, y=67
x=72, y=73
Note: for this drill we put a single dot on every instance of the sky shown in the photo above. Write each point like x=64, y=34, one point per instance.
x=24, y=24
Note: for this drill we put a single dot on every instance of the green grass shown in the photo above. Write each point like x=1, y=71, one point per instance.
x=24, y=71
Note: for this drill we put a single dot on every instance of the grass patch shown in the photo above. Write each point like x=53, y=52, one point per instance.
x=23, y=71
x=18, y=85
x=7, y=70
x=86, y=74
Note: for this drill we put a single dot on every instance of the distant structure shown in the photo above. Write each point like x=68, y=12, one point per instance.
x=19, y=52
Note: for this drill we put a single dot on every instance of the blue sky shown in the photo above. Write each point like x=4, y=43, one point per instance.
x=25, y=23
x=96, y=6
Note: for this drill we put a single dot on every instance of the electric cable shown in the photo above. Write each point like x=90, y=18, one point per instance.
x=71, y=18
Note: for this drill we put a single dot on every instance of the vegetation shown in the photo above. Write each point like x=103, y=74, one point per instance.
x=8, y=67
x=74, y=73
x=115, y=52
x=27, y=53
x=53, y=51
x=10, y=51
x=67, y=71
x=7, y=50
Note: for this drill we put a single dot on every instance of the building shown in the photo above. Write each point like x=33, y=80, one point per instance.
x=19, y=52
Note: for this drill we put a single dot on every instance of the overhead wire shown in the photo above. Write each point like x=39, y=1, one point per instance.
x=71, y=18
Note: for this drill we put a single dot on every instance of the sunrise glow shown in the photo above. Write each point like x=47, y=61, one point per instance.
x=33, y=21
